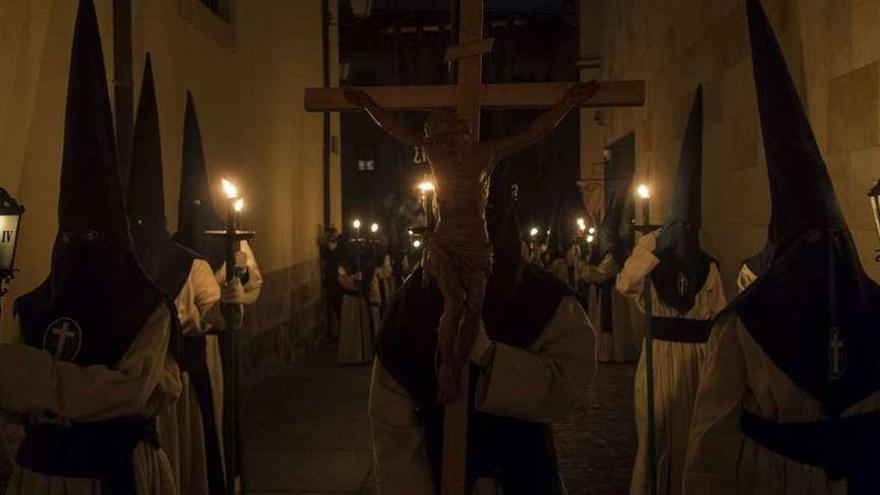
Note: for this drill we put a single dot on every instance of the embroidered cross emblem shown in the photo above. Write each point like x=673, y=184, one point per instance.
x=63, y=339
x=836, y=355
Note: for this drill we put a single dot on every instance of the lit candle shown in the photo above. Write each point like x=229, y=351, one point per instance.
x=231, y=192
x=234, y=205
x=426, y=191
x=645, y=194
x=357, y=228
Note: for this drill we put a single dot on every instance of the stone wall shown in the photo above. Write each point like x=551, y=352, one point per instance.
x=285, y=324
x=833, y=50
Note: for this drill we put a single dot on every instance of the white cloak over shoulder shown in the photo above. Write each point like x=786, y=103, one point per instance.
x=145, y=381
x=181, y=429
x=542, y=383
x=740, y=376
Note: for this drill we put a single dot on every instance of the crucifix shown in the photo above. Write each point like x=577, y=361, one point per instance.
x=458, y=251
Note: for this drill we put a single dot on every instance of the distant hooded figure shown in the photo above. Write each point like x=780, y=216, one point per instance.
x=686, y=293
x=196, y=215
x=619, y=337
x=571, y=269
x=790, y=397
x=533, y=361
x=95, y=363
x=356, y=326
x=188, y=280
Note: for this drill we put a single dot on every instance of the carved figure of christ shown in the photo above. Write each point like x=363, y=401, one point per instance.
x=459, y=254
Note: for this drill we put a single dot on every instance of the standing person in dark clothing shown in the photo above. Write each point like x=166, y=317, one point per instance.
x=330, y=260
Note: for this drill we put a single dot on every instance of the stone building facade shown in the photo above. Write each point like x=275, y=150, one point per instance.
x=833, y=51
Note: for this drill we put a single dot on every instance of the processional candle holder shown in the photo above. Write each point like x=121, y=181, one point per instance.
x=230, y=343
x=644, y=193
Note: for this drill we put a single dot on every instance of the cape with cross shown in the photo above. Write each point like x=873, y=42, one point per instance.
x=468, y=96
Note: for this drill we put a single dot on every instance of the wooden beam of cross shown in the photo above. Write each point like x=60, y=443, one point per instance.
x=468, y=96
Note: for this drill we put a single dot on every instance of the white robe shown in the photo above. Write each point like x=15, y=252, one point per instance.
x=623, y=343
x=145, y=381
x=180, y=427
x=355, y=324
x=542, y=383
x=677, y=368
x=721, y=459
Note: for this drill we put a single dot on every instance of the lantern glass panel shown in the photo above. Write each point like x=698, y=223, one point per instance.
x=8, y=239
x=874, y=196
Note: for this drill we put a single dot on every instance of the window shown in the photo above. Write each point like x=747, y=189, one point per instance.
x=218, y=7
x=366, y=157
x=216, y=18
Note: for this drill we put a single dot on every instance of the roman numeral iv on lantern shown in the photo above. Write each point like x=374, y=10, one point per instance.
x=874, y=196
x=10, y=219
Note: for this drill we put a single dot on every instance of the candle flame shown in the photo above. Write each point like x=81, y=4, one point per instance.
x=374, y=228
x=229, y=189
x=426, y=187
x=581, y=223
x=592, y=230
x=239, y=205
x=590, y=238
x=644, y=191
x=534, y=231
x=417, y=243
x=356, y=224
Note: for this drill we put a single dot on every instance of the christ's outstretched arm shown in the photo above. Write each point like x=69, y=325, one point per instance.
x=546, y=122
x=383, y=119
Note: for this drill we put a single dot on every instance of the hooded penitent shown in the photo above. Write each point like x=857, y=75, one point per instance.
x=520, y=300
x=814, y=311
x=684, y=266
x=96, y=298
x=196, y=213
x=164, y=261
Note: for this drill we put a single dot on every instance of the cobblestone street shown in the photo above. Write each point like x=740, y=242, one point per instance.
x=307, y=433
x=597, y=443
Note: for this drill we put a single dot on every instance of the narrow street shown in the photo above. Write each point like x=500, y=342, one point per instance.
x=307, y=433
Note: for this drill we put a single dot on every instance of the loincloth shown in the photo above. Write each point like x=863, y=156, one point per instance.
x=466, y=258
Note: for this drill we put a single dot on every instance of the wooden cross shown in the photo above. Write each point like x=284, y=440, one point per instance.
x=468, y=96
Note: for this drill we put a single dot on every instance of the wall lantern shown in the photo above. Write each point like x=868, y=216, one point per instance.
x=10, y=221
